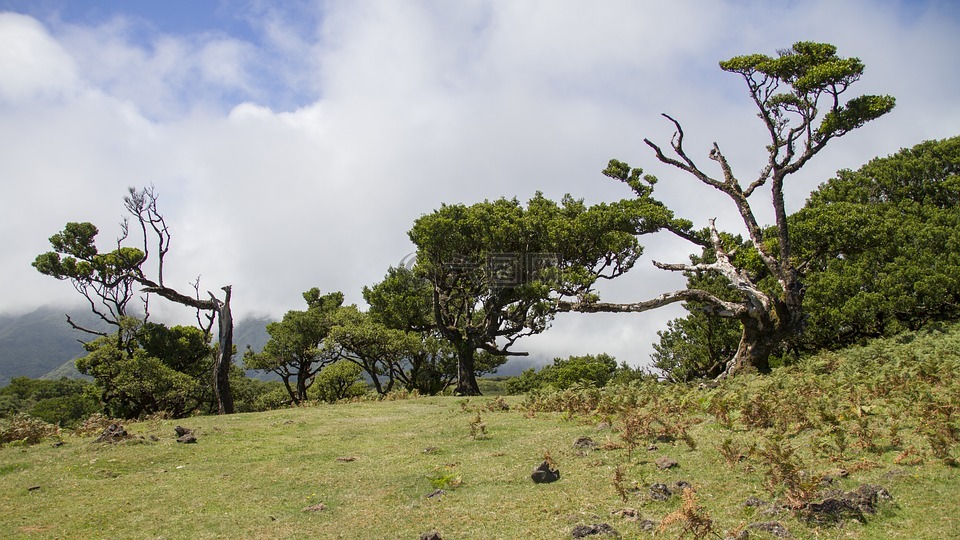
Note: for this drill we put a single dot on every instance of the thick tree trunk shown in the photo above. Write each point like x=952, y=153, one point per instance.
x=221, y=367
x=764, y=334
x=466, y=372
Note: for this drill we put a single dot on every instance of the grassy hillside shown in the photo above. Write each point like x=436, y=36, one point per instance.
x=806, y=440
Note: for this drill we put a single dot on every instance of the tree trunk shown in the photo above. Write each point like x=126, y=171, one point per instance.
x=466, y=371
x=762, y=335
x=221, y=367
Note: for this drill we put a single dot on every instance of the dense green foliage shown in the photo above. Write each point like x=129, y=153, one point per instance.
x=65, y=401
x=588, y=370
x=341, y=380
x=148, y=368
x=496, y=267
x=883, y=245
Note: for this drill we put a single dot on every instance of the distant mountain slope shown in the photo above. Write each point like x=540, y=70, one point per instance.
x=42, y=344
x=35, y=343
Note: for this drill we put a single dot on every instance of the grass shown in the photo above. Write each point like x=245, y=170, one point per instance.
x=372, y=465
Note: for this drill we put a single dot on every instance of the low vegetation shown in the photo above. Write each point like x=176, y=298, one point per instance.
x=860, y=443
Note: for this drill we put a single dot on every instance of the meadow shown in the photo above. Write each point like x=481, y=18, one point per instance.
x=755, y=457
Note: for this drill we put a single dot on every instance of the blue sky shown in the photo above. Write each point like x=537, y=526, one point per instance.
x=294, y=143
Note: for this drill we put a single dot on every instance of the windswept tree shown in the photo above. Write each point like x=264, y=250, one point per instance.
x=296, y=350
x=495, y=269
x=799, y=98
x=110, y=281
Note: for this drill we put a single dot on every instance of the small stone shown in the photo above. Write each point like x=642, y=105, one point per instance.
x=114, y=433
x=188, y=438
x=585, y=443
x=659, y=492
x=629, y=514
x=647, y=525
x=544, y=474
x=664, y=462
x=773, y=527
x=680, y=485
x=582, y=531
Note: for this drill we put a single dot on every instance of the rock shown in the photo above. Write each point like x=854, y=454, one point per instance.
x=677, y=487
x=647, y=525
x=432, y=535
x=319, y=507
x=664, y=462
x=629, y=514
x=544, y=474
x=582, y=531
x=838, y=505
x=659, y=492
x=584, y=443
x=773, y=527
x=114, y=433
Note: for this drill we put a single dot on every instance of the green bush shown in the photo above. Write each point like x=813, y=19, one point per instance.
x=340, y=380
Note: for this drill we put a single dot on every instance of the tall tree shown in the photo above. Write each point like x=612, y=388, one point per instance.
x=495, y=268
x=109, y=280
x=798, y=98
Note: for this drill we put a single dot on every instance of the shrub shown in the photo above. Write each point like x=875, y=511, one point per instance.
x=26, y=429
x=340, y=380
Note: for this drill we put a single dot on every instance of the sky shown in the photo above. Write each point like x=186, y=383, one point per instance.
x=293, y=144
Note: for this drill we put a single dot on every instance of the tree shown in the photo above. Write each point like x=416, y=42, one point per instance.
x=108, y=280
x=880, y=252
x=882, y=246
x=494, y=268
x=295, y=350
x=790, y=93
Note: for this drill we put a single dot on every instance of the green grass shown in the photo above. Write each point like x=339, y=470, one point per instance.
x=372, y=464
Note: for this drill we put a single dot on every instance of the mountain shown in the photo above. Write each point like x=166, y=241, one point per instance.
x=35, y=343
x=41, y=344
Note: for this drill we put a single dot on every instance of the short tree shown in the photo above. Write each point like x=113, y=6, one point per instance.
x=496, y=268
x=790, y=93
x=296, y=350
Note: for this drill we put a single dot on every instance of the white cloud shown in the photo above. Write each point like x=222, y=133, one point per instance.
x=412, y=106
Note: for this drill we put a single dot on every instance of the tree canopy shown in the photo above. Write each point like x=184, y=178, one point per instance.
x=496, y=268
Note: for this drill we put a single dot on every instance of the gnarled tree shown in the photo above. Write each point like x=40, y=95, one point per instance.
x=798, y=98
x=109, y=280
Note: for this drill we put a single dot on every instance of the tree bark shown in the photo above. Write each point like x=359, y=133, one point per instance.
x=466, y=371
x=221, y=367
